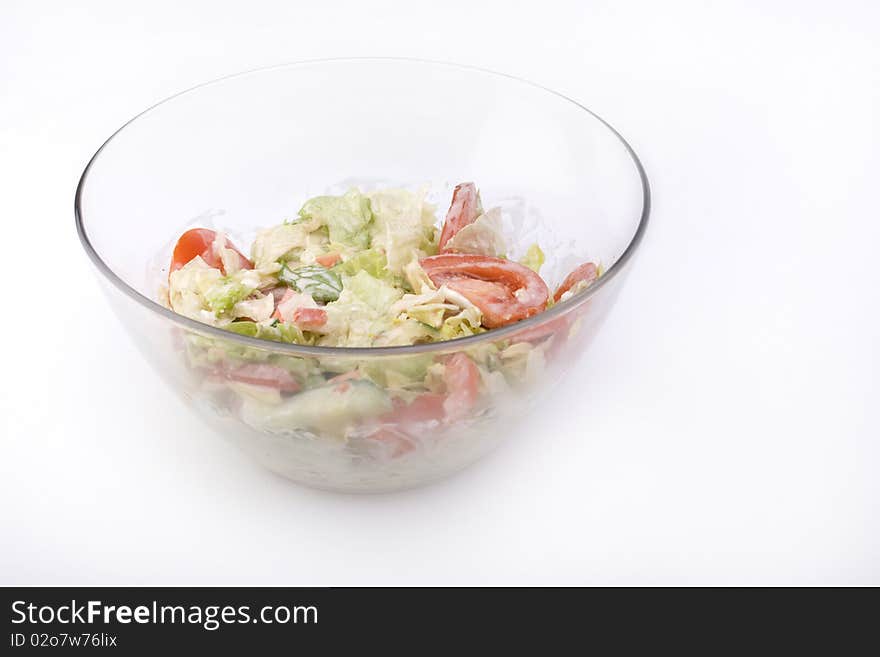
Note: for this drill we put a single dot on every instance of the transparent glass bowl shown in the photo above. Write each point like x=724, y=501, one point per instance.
x=245, y=151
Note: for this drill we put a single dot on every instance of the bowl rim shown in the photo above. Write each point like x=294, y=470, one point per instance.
x=360, y=352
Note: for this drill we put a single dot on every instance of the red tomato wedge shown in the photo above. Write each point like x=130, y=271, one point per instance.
x=263, y=374
x=310, y=319
x=198, y=242
x=353, y=375
x=305, y=317
x=587, y=272
x=462, y=380
x=425, y=407
x=399, y=426
x=504, y=291
x=463, y=210
x=398, y=440
x=328, y=259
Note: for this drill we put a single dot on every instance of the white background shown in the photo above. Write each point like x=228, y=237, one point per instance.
x=723, y=429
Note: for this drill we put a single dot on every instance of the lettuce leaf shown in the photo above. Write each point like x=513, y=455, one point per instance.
x=522, y=363
x=327, y=410
x=376, y=293
x=416, y=277
x=429, y=308
x=400, y=372
x=188, y=286
x=230, y=297
x=372, y=261
x=276, y=331
x=483, y=237
x=533, y=259
x=258, y=308
x=403, y=226
x=465, y=323
x=346, y=217
x=361, y=313
x=320, y=283
x=203, y=293
x=273, y=244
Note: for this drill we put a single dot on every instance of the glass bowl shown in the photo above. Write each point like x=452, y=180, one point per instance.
x=245, y=151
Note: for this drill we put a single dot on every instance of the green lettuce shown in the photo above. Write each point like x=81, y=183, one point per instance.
x=533, y=259
x=206, y=352
x=259, y=308
x=522, y=363
x=401, y=372
x=375, y=292
x=416, y=278
x=346, y=217
x=464, y=324
x=361, y=313
x=276, y=243
x=372, y=261
x=222, y=297
x=403, y=226
x=187, y=287
x=328, y=410
x=322, y=284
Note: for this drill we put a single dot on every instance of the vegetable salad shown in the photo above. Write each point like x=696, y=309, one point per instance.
x=366, y=270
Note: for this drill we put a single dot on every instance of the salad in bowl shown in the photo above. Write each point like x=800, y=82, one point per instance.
x=366, y=269
x=383, y=332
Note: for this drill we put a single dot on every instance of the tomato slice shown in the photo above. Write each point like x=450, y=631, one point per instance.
x=328, y=259
x=199, y=242
x=398, y=440
x=310, y=319
x=425, y=407
x=462, y=380
x=464, y=210
x=352, y=375
x=398, y=427
x=587, y=272
x=504, y=291
x=285, y=304
x=263, y=374
x=299, y=309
